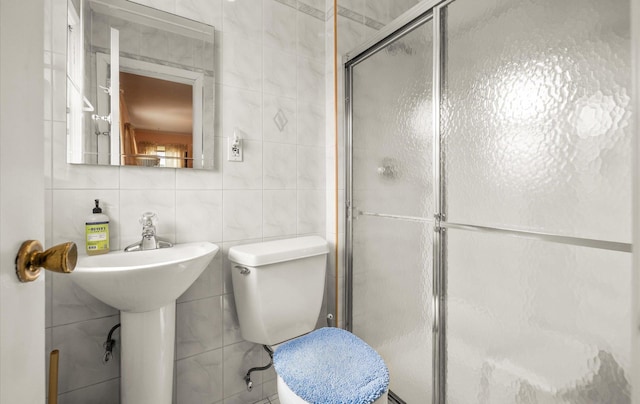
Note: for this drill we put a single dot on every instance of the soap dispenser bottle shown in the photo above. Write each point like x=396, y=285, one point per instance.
x=97, y=231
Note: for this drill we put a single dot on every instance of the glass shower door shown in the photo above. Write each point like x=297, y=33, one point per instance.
x=392, y=201
x=537, y=165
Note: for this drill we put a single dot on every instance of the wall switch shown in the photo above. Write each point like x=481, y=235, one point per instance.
x=234, y=149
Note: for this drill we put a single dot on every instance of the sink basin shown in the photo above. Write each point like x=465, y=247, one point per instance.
x=144, y=286
x=143, y=280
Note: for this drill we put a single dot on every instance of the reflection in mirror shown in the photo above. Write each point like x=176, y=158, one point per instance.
x=161, y=67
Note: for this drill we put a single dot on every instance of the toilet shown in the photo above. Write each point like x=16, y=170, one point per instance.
x=278, y=290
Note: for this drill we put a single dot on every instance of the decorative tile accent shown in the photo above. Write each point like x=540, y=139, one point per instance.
x=290, y=3
x=355, y=16
x=371, y=23
x=280, y=120
x=304, y=8
x=352, y=15
x=313, y=12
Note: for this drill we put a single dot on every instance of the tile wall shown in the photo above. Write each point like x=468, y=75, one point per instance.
x=270, y=57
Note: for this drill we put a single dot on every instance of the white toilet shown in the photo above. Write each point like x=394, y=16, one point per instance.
x=278, y=289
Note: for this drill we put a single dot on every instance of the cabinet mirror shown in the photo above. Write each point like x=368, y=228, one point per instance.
x=140, y=86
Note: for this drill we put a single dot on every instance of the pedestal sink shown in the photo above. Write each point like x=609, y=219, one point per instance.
x=144, y=286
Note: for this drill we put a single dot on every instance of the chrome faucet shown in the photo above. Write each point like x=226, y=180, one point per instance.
x=149, y=240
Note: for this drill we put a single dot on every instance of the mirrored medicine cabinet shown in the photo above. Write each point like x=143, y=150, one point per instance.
x=140, y=86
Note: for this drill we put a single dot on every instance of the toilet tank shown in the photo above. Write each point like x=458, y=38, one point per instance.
x=278, y=287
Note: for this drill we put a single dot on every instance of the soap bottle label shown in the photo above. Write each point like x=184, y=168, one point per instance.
x=97, y=236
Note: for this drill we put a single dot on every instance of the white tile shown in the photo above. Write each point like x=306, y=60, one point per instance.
x=238, y=359
x=241, y=63
x=102, y=393
x=353, y=5
x=153, y=43
x=132, y=177
x=245, y=174
x=164, y=5
x=242, y=215
x=241, y=111
x=198, y=216
x=199, y=378
x=311, y=36
x=198, y=326
x=70, y=209
x=310, y=80
x=280, y=166
x=210, y=283
x=279, y=72
x=245, y=397
x=274, y=399
x=70, y=303
x=211, y=104
x=201, y=179
x=286, y=107
x=279, y=213
x=206, y=11
x=317, y=4
x=311, y=124
x=311, y=212
x=351, y=34
x=129, y=35
x=181, y=50
x=136, y=202
x=270, y=388
x=81, y=352
x=280, y=26
x=311, y=167
x=230, y=321
x=243, y=18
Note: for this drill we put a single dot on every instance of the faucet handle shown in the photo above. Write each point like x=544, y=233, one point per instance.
x=148, y=218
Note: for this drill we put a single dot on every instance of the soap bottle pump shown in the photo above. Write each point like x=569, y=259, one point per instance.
x=97, y=231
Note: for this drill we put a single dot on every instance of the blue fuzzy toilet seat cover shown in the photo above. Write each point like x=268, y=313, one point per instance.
x=331, y=365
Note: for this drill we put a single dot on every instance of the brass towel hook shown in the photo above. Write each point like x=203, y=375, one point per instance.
x=61, y=258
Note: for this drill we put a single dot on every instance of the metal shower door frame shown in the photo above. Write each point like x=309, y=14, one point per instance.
x=400, y=27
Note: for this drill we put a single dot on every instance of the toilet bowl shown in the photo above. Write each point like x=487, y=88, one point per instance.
x=278, y=290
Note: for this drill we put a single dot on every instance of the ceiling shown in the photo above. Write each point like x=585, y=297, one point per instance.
x=158, y=105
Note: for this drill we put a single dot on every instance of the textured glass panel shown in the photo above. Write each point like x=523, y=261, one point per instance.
x=392, y=299
x=536, y=115
x=392, y=127
x=536, y=322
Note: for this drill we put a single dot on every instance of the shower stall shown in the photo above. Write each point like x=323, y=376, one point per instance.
x=489, y=164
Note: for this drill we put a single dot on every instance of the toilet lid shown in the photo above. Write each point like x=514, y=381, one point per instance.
x=331, y=365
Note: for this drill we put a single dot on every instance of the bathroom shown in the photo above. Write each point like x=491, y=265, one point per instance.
x=270, y=56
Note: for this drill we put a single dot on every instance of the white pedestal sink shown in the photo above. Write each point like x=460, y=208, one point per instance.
x=144, y=286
